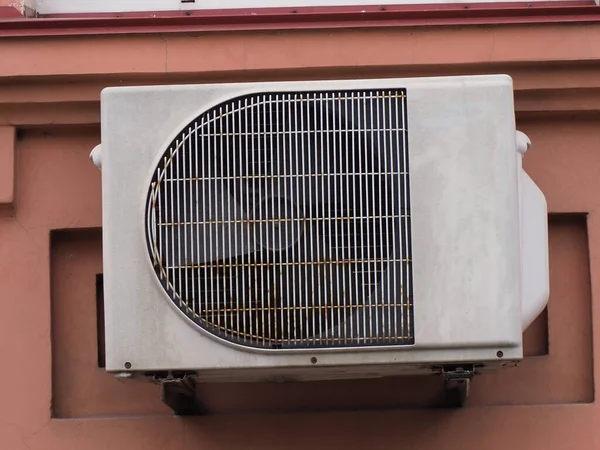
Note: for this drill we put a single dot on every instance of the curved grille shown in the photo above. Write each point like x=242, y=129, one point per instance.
x=282, y=220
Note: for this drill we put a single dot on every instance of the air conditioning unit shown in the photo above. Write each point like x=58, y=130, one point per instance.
x=318, y=229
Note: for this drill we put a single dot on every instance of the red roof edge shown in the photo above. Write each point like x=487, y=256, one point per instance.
x=299, y=18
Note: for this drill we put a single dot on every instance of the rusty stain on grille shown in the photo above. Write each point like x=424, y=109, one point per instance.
x=282, y=220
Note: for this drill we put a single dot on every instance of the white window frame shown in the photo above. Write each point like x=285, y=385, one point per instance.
x=44, y=7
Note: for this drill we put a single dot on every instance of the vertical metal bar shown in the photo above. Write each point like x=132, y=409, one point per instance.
x=318, y=247
x=156, y=220
x=246, y=292
x=160, y=189
x=313, y=301
x=303, y=154
x=261, y=167
x=229, y=226
x=405, y=232
x=299, y=301
x=171, y=269
x=381, y=172
x=324, y=215
x=184, y=204
x=259, y=272
x=180, y=228
x=290, y=287
x=264, y=217
x=253, y=226
x=151, y=225
x=299, y=149
x=372, y=223
x=225, y=221
x=187, y=257
x=390, y=169
x=345, y=224
x=398, y=203
x=353, y=292
x=283, y=296
x=275, y=198
x=290, y=326
x=336, y=219
x=237, y=212
x=197, y=296
x=364, y=265
x=218, y=217
x=160, y=218
x=360, y=251
x=176, y=263
x=268, y=198
x=163, y=240
x=220, y=224
x=206, y=213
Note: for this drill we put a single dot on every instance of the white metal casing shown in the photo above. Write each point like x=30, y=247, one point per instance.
x=470, y=203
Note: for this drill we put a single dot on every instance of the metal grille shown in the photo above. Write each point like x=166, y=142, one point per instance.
x=282, y=220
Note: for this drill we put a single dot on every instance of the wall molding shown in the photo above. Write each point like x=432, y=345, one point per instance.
x=7, y=170
x=75, y=101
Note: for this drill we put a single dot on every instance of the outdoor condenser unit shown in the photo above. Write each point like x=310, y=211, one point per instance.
x=318, y=229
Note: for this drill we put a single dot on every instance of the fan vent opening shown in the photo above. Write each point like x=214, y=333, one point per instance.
x=282, y=220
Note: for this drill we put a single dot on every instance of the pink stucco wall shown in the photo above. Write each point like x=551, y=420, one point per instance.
x=54, y=395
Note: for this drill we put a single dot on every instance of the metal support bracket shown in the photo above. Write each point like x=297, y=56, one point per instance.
x=179, y=394
x=457, y=382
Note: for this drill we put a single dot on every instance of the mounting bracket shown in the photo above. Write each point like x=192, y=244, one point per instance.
x=457, y=383
x=179, y=394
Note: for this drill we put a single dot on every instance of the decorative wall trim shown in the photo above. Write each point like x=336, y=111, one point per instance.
x=75, y=101
x=7, y=170
x=469, y=13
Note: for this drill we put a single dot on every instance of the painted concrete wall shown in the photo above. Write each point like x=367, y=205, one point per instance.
x=54, y=395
